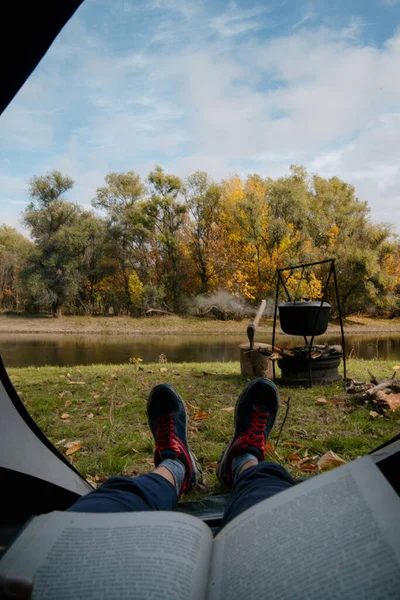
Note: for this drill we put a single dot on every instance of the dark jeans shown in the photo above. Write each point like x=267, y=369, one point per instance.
x=153, y=492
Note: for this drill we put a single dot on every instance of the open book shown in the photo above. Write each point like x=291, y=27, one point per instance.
x=334, y=536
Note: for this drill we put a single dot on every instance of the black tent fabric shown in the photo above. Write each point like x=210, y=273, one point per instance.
x=29, y=27
x=34, y=476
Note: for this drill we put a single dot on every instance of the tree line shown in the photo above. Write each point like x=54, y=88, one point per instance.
x=167, y=243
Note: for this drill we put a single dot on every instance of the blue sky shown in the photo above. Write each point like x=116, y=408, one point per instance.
x=229, y=87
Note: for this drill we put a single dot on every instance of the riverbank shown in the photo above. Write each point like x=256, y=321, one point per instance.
x=102, y=409
x=169, y=325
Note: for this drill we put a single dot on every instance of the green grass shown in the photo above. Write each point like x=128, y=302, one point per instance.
x=106, y=405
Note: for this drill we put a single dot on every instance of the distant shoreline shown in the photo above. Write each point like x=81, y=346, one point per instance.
x=170, y=325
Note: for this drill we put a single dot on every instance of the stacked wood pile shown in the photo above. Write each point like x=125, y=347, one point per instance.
x=384, y=395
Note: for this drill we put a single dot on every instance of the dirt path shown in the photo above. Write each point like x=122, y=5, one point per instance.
x=10, y=324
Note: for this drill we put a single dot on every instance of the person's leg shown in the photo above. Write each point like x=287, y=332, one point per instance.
x=176, y=467
x=240, y=465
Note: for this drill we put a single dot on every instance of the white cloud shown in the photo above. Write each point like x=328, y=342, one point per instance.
x=237, y=22
x=199, y=95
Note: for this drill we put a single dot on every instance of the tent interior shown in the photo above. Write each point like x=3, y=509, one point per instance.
x=34, y=476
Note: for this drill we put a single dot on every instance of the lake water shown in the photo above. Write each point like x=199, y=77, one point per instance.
x=21, y=350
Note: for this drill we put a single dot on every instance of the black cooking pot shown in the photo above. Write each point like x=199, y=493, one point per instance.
x=304, y=318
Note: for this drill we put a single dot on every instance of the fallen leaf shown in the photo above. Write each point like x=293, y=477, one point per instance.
x=228, y=408
x=373, y=414
x=321, y=400
x=197, y=374
x=269, y=449
x=95, y=396
x=396, y=368
x=60, y=395
x=201, y=415
x=330, y=460
x=149, y=371
x=192, y=406
x=76, y=382
x=293, y=456
x=309, y=467
x=60, y=442
x=193, y=429
x=67, y=403
x=388, y=401
x=72, y=447
x=292, y=445
x=163, y=370
x=90, y=416
x=65, y=416
x=211, y=466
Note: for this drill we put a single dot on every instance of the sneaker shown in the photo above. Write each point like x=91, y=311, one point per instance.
x=168, y=421
x=255, y=414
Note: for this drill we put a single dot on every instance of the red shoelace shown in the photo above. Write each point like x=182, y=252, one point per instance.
x=165, y=435
x=255, y=434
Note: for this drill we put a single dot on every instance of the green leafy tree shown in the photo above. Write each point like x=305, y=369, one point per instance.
x=14, y=251
x=128, y=227
x=341, y=229
x=168, y=217
x=51, y=274
x=203, y=200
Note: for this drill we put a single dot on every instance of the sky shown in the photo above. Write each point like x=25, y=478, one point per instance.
x=250, y=86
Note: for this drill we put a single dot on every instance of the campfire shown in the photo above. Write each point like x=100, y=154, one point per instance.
x=295, y=364
x=310, y=363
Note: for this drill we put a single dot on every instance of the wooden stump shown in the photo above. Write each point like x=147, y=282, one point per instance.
x=254, y=363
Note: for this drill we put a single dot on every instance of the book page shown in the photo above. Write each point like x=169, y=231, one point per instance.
x=334, y=536
x=158, y=556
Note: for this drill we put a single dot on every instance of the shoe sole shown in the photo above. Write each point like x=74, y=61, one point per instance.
x=227, y=448
x=197, y=470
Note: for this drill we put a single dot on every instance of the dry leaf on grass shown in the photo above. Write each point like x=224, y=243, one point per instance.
x=65, y=416
x=228, y=408
x=76, y=382
x=60, y=442
x=309, y=467
x=388, y=401
x=330, y=460
x=192, y=406
x=396, y=368
x=293, y=456
x=198, y=375
x=373, y=414
x=201, y=415
x=269, y=449
x=292, y=445
x=211, y=466
x=163, y=370
x=72, y=447
x=321, y=401
x=90, y=416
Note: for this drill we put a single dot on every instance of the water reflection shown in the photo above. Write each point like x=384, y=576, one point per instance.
x=67, y=350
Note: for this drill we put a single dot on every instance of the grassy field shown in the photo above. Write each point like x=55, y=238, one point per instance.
x=19, y=323
x=103, y=407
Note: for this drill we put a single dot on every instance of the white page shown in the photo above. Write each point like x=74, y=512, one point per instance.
x=335, y=536
x=140, y=555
